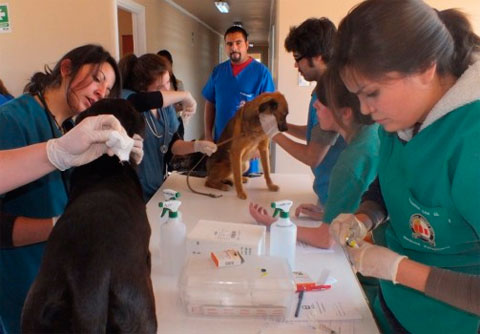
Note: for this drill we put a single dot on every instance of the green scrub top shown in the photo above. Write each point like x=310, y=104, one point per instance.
x=431, y=187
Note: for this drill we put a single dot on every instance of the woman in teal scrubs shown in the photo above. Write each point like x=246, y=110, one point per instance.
x=81, y=77
x=354, y=170
x=417, y=74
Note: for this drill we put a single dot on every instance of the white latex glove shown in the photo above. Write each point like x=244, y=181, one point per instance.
x=84, y=143
x=121, y=145
x=260, y=214
x=310, y=210
x=204, y=146
x=269, y=124
x=189, y=108
x=347, y=226
x=375, y=261
x=137, y=149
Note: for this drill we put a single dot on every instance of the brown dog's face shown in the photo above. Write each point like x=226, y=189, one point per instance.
x=276, y=104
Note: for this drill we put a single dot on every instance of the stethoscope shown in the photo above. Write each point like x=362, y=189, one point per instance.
x=153, y=128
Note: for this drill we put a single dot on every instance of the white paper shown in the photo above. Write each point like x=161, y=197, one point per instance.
x=324, y=327
x=320, y=306
x=303, y=248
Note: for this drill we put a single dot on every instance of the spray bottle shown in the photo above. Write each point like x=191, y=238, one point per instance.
x=172, y=234
x=170, y=194
x=283, y=233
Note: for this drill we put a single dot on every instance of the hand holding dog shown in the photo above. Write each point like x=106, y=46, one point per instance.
x=204, y=146
x=260, y=214
x=269, y=125
x=84, y=143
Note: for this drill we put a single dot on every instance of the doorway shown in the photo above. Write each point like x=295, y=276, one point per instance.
x=131, y=35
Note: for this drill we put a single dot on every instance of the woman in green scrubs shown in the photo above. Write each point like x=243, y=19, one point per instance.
x=416, y=73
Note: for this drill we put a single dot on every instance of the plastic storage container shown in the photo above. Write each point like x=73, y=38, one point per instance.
x=262, y=286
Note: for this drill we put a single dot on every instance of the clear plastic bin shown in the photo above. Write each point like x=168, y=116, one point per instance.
x=262, y=286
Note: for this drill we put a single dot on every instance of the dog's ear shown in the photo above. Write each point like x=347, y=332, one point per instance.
x=271, y=104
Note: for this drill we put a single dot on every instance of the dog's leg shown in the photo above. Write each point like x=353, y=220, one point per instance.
x=264, y=155
x=217, y=173
x=236, y=156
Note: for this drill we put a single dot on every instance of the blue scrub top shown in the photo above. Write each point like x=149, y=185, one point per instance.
x=23, y=121
x=324, y=169
x=227, y=91
x=152, y=169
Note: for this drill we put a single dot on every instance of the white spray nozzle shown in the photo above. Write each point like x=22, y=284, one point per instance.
x=282, y=207
x=170, y=194
x=171, y=207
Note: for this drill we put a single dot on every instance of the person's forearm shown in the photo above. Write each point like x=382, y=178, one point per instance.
x=412, y=274
x=209, y=120
x=171, y=96
x=298, y=151
x=23, y=165
x=28, y=231
x=316, y=236
x=181, y=147
x=298, y=131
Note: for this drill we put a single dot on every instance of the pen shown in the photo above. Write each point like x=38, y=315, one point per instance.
x=325, y=329
x=299, y=304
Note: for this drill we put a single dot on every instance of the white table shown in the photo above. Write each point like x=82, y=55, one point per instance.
x=296, y=187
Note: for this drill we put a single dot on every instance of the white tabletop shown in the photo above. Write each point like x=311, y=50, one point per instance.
x=296, y=187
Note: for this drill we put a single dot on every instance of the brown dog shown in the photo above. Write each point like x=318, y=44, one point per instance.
x=247, y=135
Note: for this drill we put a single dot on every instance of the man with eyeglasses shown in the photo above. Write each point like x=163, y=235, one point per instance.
x=312, y=46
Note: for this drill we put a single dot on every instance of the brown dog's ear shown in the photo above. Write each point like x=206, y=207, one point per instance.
x=271, y=104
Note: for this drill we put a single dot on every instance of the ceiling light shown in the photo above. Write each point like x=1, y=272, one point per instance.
x=222, y=6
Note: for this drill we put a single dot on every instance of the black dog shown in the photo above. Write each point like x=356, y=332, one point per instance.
x=95, y=273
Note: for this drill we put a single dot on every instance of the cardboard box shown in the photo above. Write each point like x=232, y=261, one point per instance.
x=212, y=236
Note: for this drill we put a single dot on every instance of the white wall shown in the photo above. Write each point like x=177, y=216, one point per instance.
x=43, y=31
x=294, y=12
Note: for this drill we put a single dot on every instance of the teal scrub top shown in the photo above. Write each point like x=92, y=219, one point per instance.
x=355, y=169
x=431, y=188
x=23, y=121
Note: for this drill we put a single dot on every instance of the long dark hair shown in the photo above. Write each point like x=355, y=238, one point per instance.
x=80, y=56
x=406, y=36
x=139, y=72
x=4, y=90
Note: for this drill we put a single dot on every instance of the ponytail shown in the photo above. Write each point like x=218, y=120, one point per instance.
x=41, y=80
x=466, y=42
x=139, y=72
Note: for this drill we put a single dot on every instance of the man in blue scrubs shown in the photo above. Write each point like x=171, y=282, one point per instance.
x=312, y=45
x=232, y=83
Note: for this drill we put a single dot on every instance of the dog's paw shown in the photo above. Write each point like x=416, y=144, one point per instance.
x=228, y=182
x=273, y=187
x=242, y=195
x=217, y=185
x=244, y=179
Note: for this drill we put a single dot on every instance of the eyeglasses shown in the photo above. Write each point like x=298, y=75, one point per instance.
x=298, y=58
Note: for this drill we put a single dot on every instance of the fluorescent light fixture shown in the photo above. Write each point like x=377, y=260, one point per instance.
x=222, y=6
